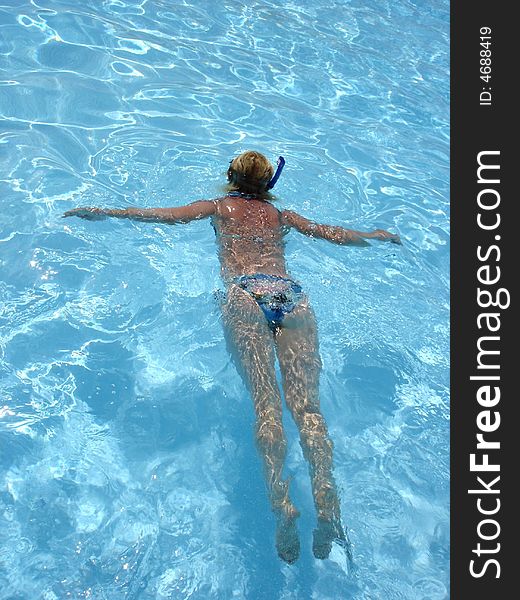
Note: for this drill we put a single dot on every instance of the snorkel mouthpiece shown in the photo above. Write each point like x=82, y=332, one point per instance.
x=279, y=169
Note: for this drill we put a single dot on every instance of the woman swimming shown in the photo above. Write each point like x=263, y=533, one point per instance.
x=267, y=316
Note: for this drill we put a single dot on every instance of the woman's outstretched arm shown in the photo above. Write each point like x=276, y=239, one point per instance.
x=335, y=234
x=180, y=214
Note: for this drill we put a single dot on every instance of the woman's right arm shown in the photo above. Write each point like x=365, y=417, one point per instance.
x=334, y=233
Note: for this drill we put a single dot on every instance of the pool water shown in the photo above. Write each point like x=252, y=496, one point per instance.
x=128, y=468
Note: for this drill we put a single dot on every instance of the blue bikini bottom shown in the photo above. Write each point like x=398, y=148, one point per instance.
x=276, y=296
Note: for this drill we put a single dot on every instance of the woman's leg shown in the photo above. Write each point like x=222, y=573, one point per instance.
x=300, y=364
x=251, y=344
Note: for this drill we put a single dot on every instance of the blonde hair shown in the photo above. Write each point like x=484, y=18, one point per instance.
x=250, y=172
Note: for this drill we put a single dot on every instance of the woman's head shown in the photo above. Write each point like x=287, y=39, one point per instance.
x=250, y=172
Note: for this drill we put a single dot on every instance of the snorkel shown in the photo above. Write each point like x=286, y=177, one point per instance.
x=251, y=174
x=279, y=168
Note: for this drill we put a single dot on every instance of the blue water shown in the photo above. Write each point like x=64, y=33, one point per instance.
x=128, y=467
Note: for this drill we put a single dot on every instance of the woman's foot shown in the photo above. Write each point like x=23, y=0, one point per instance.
x=326, y=532
x=287, y=540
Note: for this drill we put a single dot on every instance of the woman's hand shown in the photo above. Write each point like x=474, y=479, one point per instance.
x=385, y=236
x=91, y=213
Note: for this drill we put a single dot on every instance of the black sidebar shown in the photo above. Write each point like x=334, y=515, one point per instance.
x=484, y=324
